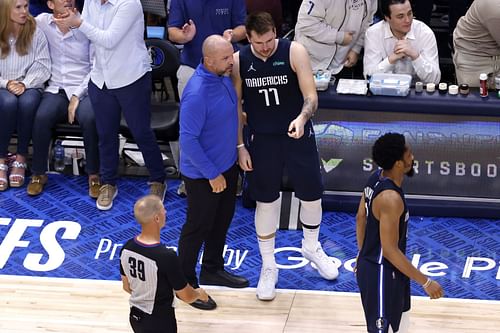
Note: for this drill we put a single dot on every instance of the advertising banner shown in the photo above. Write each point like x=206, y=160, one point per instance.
x=455, y=156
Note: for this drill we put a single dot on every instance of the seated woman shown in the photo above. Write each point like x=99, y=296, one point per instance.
x=24, y=68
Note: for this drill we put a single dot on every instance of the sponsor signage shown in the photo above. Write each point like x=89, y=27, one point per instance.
x=67, y=249
x=455, y=156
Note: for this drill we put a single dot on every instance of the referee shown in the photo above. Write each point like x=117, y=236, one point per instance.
x=151, y=273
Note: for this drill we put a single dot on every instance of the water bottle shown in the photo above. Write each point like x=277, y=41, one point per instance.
x=59, y=157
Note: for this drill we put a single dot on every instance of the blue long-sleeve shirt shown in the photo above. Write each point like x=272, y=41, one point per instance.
x=210, y=17
x=208, y=125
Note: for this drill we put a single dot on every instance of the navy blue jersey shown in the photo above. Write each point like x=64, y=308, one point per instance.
x=372, y=247
x=385, y=291
x=271, y=93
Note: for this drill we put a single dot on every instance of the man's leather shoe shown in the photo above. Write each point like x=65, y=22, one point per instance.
x=35, y=187
x=94, y=187
x=222, y=278
x=208, y=305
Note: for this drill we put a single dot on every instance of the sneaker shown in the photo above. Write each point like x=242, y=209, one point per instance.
x=94, y=187
x=181, y=190
x=158, y=189
x=107, y=193
x=325, y=266
x=35, y=187
x=266, y=288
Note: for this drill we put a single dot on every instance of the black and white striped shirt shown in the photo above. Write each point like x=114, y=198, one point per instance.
x=153, y=272
x=32, y=69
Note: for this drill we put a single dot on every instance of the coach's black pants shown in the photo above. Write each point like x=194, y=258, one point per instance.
x=208, y=218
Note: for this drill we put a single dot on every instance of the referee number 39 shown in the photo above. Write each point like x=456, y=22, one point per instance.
x=137, y=268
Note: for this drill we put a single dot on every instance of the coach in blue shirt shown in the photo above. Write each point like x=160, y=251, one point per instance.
x=190, y=22
x=208, y=139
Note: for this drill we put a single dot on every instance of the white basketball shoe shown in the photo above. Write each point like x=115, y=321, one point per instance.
x=266, y=288
x=325, y=266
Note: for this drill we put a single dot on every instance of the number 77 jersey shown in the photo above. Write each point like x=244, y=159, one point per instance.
x=270, y=90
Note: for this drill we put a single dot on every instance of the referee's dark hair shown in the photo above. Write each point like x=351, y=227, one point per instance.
x=388, y=149
x=384, y=6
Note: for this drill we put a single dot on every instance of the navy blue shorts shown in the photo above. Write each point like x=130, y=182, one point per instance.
x=274, y=155
x=385, y=294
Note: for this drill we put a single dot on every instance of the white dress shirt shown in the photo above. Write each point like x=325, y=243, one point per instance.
x=116, y=29
x=379, y=45
x=71, y=58
x=32, y=69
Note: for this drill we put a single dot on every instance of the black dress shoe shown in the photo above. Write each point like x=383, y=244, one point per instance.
x=222, y=278
x=208, y=305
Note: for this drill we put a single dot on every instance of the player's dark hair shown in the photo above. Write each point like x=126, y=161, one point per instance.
x=259, y=22
x=388, y=149
x=385, y=5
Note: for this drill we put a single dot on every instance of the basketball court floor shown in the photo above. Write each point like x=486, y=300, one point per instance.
x=59, y=268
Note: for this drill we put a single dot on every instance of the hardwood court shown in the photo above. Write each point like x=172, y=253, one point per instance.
x=31, y=305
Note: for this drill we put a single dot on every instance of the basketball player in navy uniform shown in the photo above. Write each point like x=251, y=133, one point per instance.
x=383, y=271
x=276, y=90
x=151, y=273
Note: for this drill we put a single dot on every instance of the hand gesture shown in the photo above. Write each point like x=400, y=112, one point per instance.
x=189, y=30
x=73, y=105
x=15, y=87
x=68, y=20
x=228, y=35
x=244, y=159
x=296, y=127
x=218, y=184
x=351, y=59
x=348, y=36
x=434, y=290
x=404, y=47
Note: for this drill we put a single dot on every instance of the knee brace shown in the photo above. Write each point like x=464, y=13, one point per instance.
x=311, y=212
x=267, y=215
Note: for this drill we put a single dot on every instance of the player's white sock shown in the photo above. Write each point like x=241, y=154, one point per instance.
x=310, y=216
x=266, y=248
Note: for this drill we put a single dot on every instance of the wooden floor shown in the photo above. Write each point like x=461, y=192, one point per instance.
x=30, y=305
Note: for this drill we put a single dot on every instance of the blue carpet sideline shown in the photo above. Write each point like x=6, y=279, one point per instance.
x=62, y=234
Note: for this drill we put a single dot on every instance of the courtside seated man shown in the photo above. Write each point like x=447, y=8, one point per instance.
x=383, y=271
x=151, y=273
x=65, y=97
x=401, y=45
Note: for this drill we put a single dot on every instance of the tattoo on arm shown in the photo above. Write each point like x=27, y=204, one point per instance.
x=309, y=108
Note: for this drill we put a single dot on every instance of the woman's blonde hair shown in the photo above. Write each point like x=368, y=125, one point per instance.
x=25, y=38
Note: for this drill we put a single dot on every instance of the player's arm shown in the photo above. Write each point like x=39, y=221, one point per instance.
x=126, y=284
x=236, y=34
x=388, y=207
x=301, y=65
x=361, y=222
x=188, y=294
x=244, y=159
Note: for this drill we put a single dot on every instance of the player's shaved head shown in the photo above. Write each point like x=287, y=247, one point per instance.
x=146, y=208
